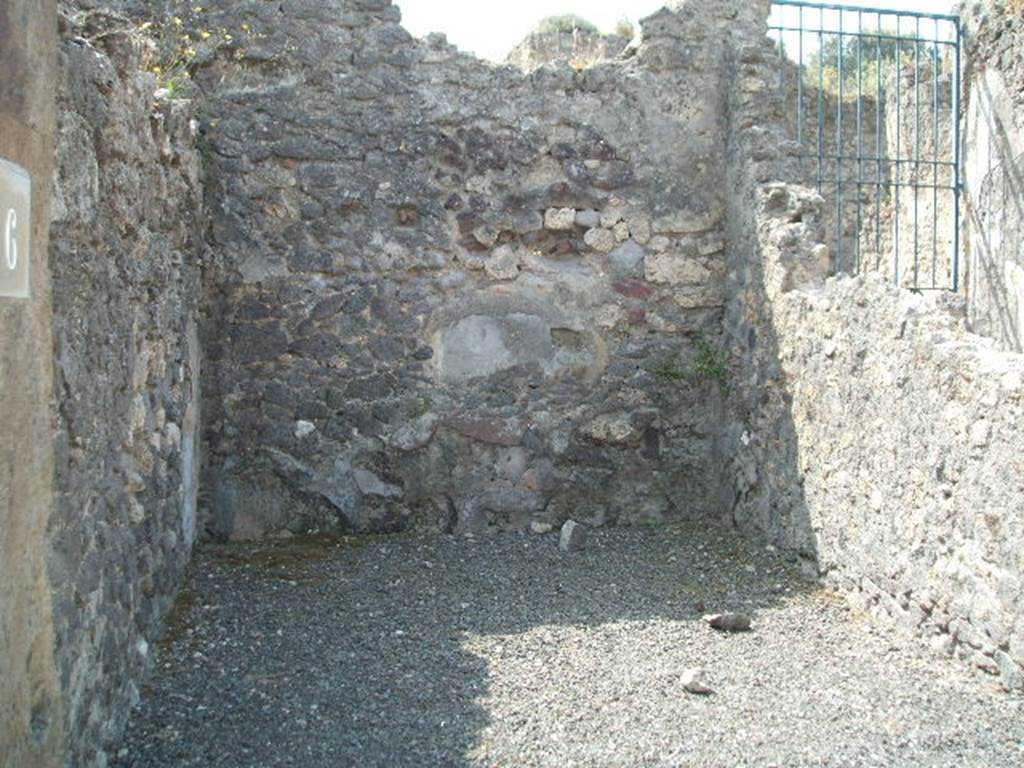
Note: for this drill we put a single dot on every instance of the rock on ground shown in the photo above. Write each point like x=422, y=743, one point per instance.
x=573, y=538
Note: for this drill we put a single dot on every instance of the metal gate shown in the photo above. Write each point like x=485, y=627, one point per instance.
x=873, y=102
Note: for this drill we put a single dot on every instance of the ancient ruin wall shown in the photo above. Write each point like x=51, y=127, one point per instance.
x=453, y=295
x=994, y=168
x=869, y=432
x=450, y=295
x=124, y=252
x=578, y=48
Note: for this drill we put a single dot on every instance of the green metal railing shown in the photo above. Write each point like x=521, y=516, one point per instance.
x=875, y=108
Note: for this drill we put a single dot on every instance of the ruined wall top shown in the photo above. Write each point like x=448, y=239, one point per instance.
x=580, y=48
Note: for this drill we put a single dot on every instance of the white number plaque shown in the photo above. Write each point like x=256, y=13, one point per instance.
x=15, y=225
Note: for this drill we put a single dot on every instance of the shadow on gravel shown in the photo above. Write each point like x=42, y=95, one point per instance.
x=354, y=652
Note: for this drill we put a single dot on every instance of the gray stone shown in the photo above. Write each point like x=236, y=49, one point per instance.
x=415, y=434
x=371, y=485
x=426, y=253
x=540, y=48
x=560, y=218
x=124, y=266
x=696, y=681
x=676, y=268
x=1011, y=672
x=627, y=260
x=616, y=428
x=601, y=240
x=573, y=537
x=728, y=622
x=503, y=264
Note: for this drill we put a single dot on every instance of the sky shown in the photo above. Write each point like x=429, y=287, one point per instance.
x=491, y=28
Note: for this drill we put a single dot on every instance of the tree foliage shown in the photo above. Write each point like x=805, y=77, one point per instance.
x=624, y=28
x=867, y=61
x=568, y=22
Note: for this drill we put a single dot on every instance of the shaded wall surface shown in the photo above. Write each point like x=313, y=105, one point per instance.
x=30, y=704
x=452, y=295
x=124, y=246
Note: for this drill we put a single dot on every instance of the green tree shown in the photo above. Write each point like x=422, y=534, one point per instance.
x=868, y=61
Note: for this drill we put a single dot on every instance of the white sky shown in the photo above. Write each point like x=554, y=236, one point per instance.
x=491, y=28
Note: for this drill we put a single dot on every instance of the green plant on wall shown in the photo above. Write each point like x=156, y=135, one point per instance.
x=710, y=364
x=184, y=42
x=670, y=372
x=421, y=408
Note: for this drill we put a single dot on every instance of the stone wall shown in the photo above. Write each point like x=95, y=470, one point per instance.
x=909, y=448
x=30, y=702
x=869, y=432
x=773, y=247
x=453, y=295
x=124, y=252
x=579, y=48
x=994, y=166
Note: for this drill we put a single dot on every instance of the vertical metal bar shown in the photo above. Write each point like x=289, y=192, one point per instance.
x=955, y=117
x=839, y=151
x=917, y=144
x=821, y=95
x=860, y=133
x=899, y=151
x=878, y=139
x=935, y=155
x=782, y=66
x=800, y=88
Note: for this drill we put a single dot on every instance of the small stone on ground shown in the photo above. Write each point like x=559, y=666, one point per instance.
x=574, y=537
x=696, y=681
x=729, y=622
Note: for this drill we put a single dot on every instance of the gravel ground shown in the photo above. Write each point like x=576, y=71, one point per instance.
x=504, y=651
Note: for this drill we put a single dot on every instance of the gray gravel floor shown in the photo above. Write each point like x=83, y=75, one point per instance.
x=438, y=651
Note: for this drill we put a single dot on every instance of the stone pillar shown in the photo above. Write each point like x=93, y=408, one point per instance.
x=30, y=719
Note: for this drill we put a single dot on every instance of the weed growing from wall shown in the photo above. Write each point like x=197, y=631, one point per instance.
x=710, y=365
x=185, y=40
